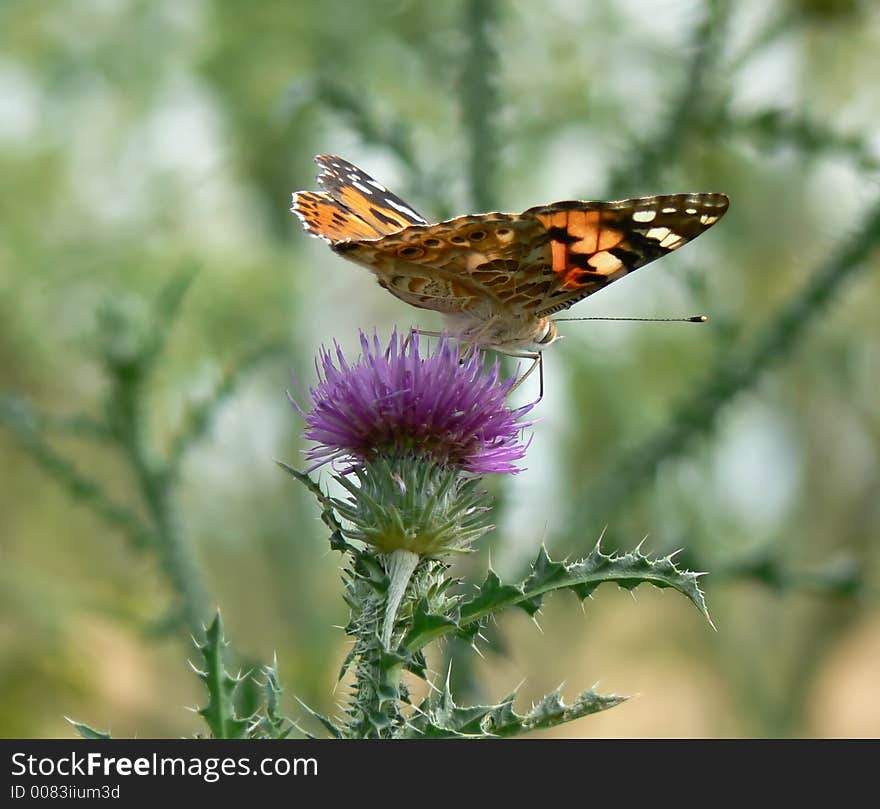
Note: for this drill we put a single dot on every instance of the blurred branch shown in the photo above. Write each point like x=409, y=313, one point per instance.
x=734, y=373
x=479, y=102
x=77, y=425
x=200, y=417
x=130, y=342
x=396, y=136
x=355, y=111
x=165, y=312
x=24, y=423
x=151, y=473
x=841, y=578
x=785, y=21
x=684, y=116
x=774, y=128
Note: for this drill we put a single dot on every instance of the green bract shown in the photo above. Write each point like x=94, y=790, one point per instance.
x=414, y=505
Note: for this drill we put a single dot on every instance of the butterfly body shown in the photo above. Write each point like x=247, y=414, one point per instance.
x=497, y=277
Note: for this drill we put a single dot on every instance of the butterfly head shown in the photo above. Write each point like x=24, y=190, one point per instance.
x=505, y=334
x=547, y=335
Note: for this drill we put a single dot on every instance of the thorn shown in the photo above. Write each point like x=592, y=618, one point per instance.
x=198, y=671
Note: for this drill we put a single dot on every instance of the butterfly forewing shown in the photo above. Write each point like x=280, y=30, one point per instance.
x=353, y=205
x=591, y=244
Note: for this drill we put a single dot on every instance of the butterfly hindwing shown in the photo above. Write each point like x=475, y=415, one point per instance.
x=535, y=263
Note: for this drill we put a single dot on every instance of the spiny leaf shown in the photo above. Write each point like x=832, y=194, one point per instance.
x=494, y=592
x=219, y=713
x=88, y=732
x=627, y=570
x=438, y=717
x=426, y=626
x=328, y=516
x=552, y=711
x=273, y=725
x=334, y=731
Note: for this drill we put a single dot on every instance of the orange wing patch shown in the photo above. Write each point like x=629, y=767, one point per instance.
x=364, y=197
x=331, y=221
x=579, y=241
x=353, y=206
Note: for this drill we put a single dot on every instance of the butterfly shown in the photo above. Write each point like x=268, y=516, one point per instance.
x=497, y=277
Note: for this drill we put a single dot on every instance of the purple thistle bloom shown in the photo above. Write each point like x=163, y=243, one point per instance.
x=395, y=403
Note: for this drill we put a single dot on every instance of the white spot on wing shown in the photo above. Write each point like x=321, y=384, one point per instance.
x=403, y=209
x=672, y=241
x=658, y=233
x=690, y=211
x=705, y=219
x=644, y=216
x=669, y=210
x=356, y=184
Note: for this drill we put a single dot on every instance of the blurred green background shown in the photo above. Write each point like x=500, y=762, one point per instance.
x=147, y=143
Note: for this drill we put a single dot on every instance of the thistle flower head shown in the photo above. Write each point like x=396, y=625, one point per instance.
x=394, y=403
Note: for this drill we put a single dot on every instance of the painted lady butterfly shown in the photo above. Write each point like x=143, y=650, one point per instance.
x=497, y=277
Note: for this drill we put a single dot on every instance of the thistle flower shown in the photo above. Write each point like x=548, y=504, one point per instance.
x=414, y=431
x=394, y=403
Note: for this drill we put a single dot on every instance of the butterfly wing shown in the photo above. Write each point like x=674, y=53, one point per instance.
x=474, y=265
x=591, y=244
x=352, y=206
x=535, y=263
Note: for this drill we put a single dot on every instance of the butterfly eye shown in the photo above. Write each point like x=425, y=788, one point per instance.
x=431, y=242
x=457, y=239
x=549, y=334
x=410, y=252
x=477, y=235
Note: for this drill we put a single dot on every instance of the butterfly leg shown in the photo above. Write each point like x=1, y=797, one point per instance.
x=423, y=332
x=537, y=359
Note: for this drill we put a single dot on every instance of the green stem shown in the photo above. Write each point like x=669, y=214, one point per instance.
x=479, y=100
x=154, y=481
x=400, y=566
x=374, y=712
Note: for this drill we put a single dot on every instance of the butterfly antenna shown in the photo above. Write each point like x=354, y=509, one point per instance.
x=694, y=319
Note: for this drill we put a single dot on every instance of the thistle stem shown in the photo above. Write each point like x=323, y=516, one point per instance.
x=400, y=566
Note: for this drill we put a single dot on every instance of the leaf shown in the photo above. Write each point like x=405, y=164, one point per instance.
x=88, y=732
x=328, y=515
x=219, y=713
x=627, y=570
x=332, y=729
x=426, y=626
x=438, y=717
x=274, y=725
